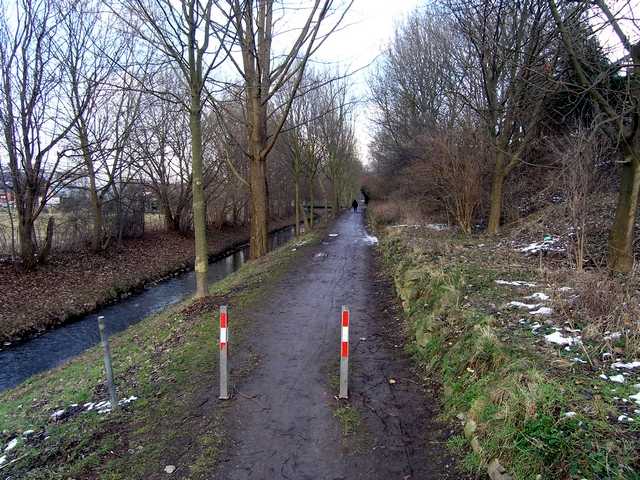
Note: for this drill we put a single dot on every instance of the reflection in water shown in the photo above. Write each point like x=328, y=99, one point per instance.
x=19, y=362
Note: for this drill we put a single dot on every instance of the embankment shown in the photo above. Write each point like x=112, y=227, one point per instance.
x=538, y=397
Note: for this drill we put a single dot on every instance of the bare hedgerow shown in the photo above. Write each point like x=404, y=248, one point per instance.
x=453, y=166
x=607, y=308
x=579, y=155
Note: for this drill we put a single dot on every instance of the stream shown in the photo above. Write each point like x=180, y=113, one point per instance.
x=20, y=361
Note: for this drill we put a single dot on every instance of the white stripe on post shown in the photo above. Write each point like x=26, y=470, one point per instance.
x=224, y=344
x=344, y=354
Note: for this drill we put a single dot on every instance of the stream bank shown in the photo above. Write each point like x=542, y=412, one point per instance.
x=75, y=284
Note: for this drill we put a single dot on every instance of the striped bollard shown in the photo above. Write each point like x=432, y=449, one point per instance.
x=344, y=355
x=224, y=344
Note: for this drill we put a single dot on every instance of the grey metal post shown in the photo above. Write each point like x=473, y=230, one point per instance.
x=344, y=354
x=111, y=386
x=224, y=346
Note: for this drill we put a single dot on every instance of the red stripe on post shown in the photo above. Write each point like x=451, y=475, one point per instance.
x=223, y=319
x=344, y=351
x=345, y=318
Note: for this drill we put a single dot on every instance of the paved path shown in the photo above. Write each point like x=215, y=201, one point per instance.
x=281, y=420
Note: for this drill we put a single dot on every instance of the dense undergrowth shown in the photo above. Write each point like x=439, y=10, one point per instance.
x=541, y=410
x=168, y=361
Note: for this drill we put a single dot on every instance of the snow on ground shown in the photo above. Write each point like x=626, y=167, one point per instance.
x=544, y=246
x=369, y=240
x=542, y=311
x=612, y=335
x=628, y=366
x=334, y=234
x=538, y=296
x=3, y=460
x=527, y=306
x=11, y=445
x=559, y=339
x=437, y=226
x=635, y=398
x=617, y=378
x=515, y=283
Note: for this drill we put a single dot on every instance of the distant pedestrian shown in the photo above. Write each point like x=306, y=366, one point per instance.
x=354, y=205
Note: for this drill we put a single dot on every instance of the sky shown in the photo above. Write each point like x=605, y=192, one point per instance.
x=367, y=29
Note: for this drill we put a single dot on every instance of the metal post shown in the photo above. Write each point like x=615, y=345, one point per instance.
x=104, y=338
x=224, y=345
x=344, y=354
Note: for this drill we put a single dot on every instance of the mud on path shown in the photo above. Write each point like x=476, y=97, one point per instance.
x=281, y=421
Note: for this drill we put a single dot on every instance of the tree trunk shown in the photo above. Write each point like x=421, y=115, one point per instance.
x=199, y=213
x=96, y=207
x=495, y=211
x=296, y=205
x=27, y=248
x=621, y=236
x=46, y=249
x=259, y=207
x=25, y=230
x=312, y=210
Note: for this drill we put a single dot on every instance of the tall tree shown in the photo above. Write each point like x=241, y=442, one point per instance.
x=185, y=33
x=34, y=116
x=620, y=110
x=264, y=73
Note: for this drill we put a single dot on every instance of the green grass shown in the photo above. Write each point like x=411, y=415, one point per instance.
x=493, y=374
x=169, y=361
x=349, y=419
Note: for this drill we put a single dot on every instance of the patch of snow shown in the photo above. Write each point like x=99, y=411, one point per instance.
x=635, y=398
x=333, y=234
x=569, y=414
x=11, y=445
x=404, y=226
x=628, y=366
x=126, y=401
x=612, y=335
x=369, y=240
x=603, y=376
x=542, y=311
x=3, y=460
x=558, y=339
x=57, y=414
x=528, y=306
x=538, y=296
x=515, y=283
x=169, y=469
x=535, y=327
x=89, y=406
x=26, y=433
x=572, y=330
x=565, y=289
x=617, y=378
x=545, y=245
x=320, y=255
x=624, y=418
x=578, y=360
x=437, y=226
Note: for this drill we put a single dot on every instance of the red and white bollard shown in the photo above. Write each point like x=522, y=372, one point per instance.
x=224, y=344
x=344, y=354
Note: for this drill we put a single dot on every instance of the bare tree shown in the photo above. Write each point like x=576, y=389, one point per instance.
x=34, y=117
x=510, y=48
x=620, y=111
x=264, y=74
x=185, y=34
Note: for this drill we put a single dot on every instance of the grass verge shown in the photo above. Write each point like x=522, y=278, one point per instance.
x=526, y=407
x=169, y=362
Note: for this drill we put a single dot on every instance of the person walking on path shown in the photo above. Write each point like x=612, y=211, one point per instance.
x=354, y=205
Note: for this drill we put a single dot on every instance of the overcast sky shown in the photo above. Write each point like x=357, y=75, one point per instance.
x=367, y=29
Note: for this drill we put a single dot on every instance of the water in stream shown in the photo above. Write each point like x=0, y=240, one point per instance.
x=19, y=362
